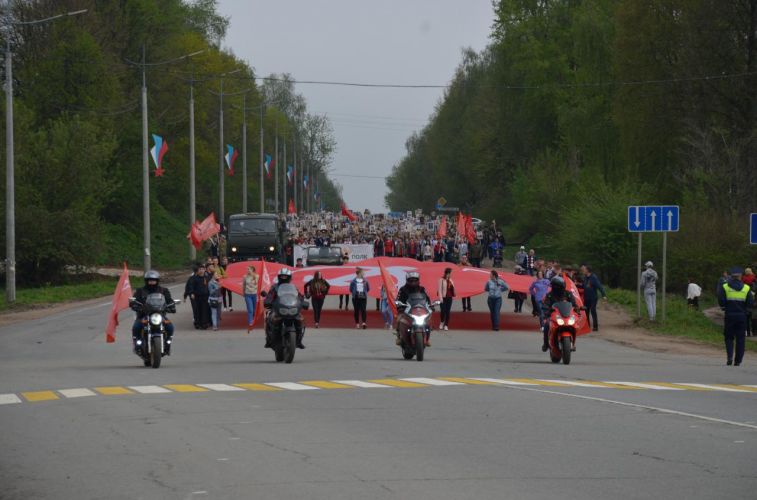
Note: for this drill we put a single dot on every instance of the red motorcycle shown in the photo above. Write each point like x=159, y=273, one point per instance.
x=563, y=322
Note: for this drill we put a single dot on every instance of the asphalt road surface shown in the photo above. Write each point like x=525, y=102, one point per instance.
x=486, y=415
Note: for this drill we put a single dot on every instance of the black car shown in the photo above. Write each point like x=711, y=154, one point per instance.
x=323, y=256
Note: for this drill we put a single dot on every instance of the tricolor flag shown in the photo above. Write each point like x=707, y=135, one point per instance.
x=157, y=152
x=290, y=174
x=305, y=181
x=231, y=157
x=269, y=163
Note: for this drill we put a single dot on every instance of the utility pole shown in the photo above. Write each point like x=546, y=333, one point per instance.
x=221, y=201
x=145, y=170
x=284, y=179
x=192, y=188
x=275, y=171
x=262, y=160
x=10, y=160
x=244, y=153
x=294, y=174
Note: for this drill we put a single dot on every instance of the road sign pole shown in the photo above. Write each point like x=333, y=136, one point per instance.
x=664, y=270
x=638, y=280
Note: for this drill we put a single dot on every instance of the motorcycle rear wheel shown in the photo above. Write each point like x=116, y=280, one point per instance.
x=565, y=350
x=156, y=353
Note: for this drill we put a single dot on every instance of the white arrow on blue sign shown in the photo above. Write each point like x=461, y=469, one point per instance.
x=656, y=218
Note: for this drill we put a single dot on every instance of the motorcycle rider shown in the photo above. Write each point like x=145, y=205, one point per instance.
x=412, y=286
x=152, y=285
x=557, y=293
x=273, y=320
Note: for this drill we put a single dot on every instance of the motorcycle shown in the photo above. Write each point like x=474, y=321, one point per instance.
x=563, y=322
x=286, y=309
x=153, y=343
x=414, y=325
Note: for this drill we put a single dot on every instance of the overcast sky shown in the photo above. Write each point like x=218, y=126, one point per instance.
x=366, y=41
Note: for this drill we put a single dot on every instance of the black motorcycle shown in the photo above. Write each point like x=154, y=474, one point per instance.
x=414, y=325
x=281, y=325
x=153, y=343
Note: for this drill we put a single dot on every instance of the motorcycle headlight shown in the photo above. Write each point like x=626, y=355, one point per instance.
x=419, y=320
x=287, y=311
x=572, y=320
x=271, y=248
x=560, y=321
x=234, y=249
x=156, y=319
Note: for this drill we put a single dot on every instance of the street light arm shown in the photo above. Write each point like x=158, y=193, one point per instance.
x=167, y=61
x=39, y=21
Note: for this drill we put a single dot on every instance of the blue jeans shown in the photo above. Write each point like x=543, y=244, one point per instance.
x=251, y=301
x=495, y=305
x=215, y=314
x=539, y=311
x=386, y=313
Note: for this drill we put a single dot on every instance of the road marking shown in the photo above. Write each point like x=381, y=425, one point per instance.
x=113, y=390
x=502, y=381
x=716, y=387
x=680, y=386
x=361, y=383
x=326, y=384
x=648, y=386
x=560, y=383
x=257, y=387
x=77, y=393
x=548, y=383
x=431, y=381
x=292, y=386
x=9, y=399
x=397, y=383
x=33, y=397
x=185, y=388
x=149, y=389
x=221, y=387
x=468, y=381
x=608, y=385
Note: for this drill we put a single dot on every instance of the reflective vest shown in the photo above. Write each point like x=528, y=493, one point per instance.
x=736, y=295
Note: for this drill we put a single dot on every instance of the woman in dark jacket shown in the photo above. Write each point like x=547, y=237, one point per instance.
x=316, y=290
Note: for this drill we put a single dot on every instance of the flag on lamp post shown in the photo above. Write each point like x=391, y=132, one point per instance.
x=269, y=163
x=290, y=174
x=157, y=152
x=305, y=182
x=231, y=157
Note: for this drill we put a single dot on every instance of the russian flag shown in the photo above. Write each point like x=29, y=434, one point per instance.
x=231, y=157
x=157, y=152
x=290, y=174
x=268, y=164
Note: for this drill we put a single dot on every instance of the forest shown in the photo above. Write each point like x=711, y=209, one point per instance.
x=578, y=109
x=78, y=129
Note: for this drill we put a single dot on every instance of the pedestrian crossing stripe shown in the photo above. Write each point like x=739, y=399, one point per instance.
x=387, y=383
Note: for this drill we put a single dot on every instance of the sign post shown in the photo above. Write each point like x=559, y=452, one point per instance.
x=653, y=219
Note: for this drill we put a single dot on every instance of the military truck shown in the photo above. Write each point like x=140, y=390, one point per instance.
x=255, y=236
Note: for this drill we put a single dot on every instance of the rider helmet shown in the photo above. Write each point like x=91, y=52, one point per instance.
x=413, y=278
x=152, y=275
x=285, y=276
x=558, y=285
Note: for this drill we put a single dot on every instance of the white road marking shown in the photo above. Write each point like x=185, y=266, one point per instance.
x=635, y=405
x=222, y=459
x=648, y=386
x=738, y=441
x=360, y=383
x=500, y=381
x=715, y=387
x=431, y=381
x=292, y=386
x=8, y=399
x=149, y=389
x=221, y=387
x=77, y=393
x=571, y=382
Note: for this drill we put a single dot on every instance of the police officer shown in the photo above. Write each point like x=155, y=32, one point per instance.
x=735, y=299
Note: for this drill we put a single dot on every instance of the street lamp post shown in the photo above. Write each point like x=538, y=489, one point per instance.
x=10, y=181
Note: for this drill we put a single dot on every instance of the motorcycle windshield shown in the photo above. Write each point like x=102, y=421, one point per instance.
x=155, y=302
x=564, y=308
x=288, y=295
x=415, y=299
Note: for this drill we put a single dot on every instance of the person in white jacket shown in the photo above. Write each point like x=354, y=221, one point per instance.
x=649, y=285
x=692, y=294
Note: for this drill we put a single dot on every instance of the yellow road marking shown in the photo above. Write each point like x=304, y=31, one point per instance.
x=113, y=390
x=739, y=387
x=679, y=386
x=257, y=387
x=468, y=381
x=539, y=382
x=609, y=385
x=325, y=384
x=397, y=383
x=185, y=388
x=39, y=396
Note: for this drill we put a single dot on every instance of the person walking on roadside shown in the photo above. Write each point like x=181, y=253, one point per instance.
x=649, y=285
x=476, y=254
x=693, y=292
x=592, y=289
x=188, y=293
x=531, y=262
x=214, y=300
x=494, y=288
x=198, y=292
x=316, y=290
x=538, y=291
x=520, y=257
x=359, y=289
x=346, y=296
x=466, y=300
x=735, y=299
x=250, y=292
x=446, y=291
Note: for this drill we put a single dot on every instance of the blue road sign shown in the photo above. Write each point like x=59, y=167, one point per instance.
x=645, y=219
x=753, y=229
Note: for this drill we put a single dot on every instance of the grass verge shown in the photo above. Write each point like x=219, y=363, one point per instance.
x=29, y=298
x=681, y=321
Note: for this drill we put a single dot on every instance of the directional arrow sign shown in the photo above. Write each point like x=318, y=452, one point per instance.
x=636, y=219
x=654, y=218
x=753, y=229
x=669, y=218
x=645, y=219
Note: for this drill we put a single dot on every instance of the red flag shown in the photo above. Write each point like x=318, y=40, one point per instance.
x=470, y=231
x=441, y=232
x=292, y=208
x=348, y=213
x=460, y=224
x=389, y=286
x=120, y=302
x=201, y=231
x=264, y=283
x=583, y=322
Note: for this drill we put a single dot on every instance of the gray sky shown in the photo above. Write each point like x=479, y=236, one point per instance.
x=366, y=41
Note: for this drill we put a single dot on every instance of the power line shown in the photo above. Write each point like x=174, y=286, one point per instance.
x=336, y=174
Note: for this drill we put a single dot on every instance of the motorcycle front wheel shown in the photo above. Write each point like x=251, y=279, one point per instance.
x=565, y=350
x=419, y=346
x=290, y=345
x=156, y=352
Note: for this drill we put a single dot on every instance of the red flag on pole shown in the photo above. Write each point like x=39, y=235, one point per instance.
x=460, y=224
x=389, y=286
x=120, y=302
x=441, y=232
x=470, y=231
x=292, y=209
x=348, y=213
x=201, y=231
x=264, y=283
x=583, y=322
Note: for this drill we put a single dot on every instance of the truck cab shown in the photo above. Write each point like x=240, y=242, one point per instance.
x=255, y=236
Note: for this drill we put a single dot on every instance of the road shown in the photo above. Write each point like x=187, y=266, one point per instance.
x=485, y=416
